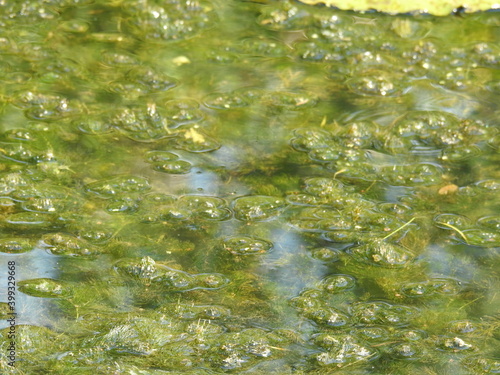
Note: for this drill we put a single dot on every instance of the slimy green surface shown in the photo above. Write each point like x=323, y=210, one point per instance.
x=435, y=7
x=212, y=187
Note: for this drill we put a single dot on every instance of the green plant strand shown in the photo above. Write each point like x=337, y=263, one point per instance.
x=397, y=230
x=456, y=230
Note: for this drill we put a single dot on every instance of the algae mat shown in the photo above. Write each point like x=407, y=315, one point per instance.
x=438, y=8
x=231, y=187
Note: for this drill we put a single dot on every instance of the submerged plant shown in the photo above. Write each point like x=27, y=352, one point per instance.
x=208, y=187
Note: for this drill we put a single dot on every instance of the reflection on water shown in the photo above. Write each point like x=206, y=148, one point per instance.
x=249, y=187
x=32, y=265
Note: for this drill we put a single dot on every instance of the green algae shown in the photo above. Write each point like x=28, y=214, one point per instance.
x=436, y=7
x=249, y=187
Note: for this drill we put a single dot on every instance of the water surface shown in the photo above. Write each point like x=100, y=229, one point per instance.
x=249, y=187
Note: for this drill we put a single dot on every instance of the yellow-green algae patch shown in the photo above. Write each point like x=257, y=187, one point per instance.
x=438, y=8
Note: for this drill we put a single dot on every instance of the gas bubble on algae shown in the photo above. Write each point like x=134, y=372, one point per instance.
x=126, y=204
x=210, y=280
x=150, y=273
x=196, y=312
x=51, y=205
x=381, y=312
x=183, y=111
x=450, y=221
x=325, y=254
x=381, y=253
x=246, y=245
x=308, y=299
x=118, y=185
x=327, y=316
x=244, y=349
x=225, y=101
x=66, y=245
x=406, y=351
x=93, y=125
x=160, y=156
x=141, y=123
x=479, y=237
x=435, y=286
x=204, y=207
x=173, y=167
x=15, y=245
x=454, y=344
x=372, y=334
x=31, y=221
x=257, y=207
x=24, y=154
x=377, y=83
x=46, y=288
x=193, y=140
x=307, y=139
x=342, y=350
x=490, y=222
x=139, y=336
x=155, y=23
x=483, y=364
x=337, y=283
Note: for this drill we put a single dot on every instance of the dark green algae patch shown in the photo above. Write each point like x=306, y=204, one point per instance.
x=249, y=187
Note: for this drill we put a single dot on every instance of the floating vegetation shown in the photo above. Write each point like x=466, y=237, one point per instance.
x=257, y=207
x=246, y=245
x=381, y=253
x=15, y=245
x=119, y=185
x=46, y=288
x=208, y=187
x=64, y=244
x=152, y=274
x=342, y=350
x=434, y=286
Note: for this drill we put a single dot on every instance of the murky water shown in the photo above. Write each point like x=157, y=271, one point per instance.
x=238, y=187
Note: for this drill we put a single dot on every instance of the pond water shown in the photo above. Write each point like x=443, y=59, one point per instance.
x=208, y=187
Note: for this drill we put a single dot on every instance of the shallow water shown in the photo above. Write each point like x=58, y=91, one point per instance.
x=239, y=187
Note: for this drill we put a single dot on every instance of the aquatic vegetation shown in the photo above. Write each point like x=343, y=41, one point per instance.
x=254, y=187
x=172, y=21
x=46, y=288
x=381, y=253
x=326, y=254
x=141, y=124
x=246, y=245
x=440, y=8
x=119, y=185
x=342, y=350
x=337, y=283
x=257, y=207
x=166, y=278
x=31, y=221
x=380, y=312
x=15, y=245
x=225, y=101
x=164, y=161
x=432, y=287
x=67, y=245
